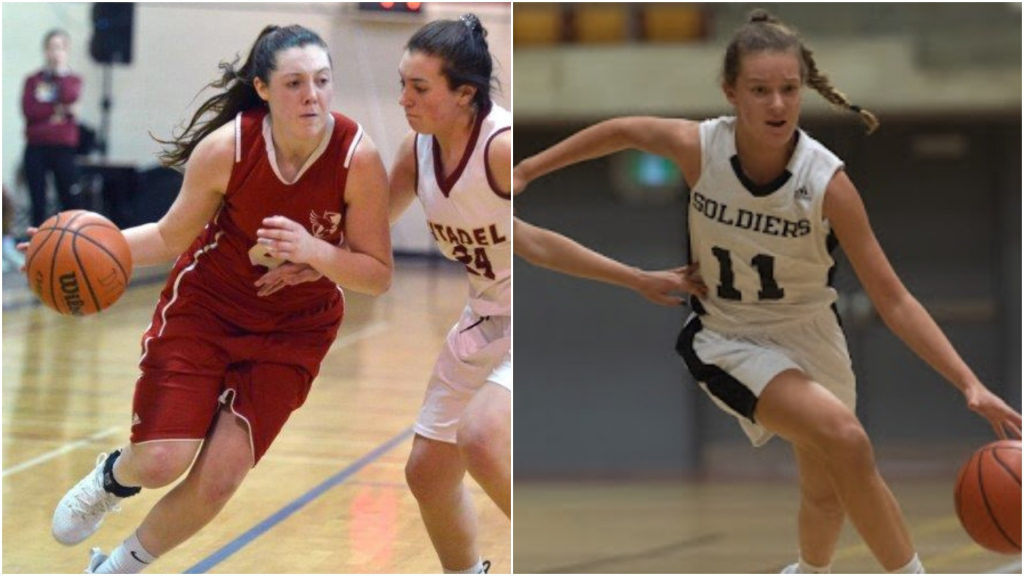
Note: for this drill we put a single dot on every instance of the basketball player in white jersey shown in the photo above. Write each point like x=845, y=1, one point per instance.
x=458, y=161
x=767, y=204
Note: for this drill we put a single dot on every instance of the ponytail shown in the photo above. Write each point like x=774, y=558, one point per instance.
x=238, y=89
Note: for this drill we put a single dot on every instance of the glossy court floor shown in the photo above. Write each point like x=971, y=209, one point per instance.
x=329, y=496
x=740, y=517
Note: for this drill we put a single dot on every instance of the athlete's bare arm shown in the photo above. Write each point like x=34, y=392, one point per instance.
x=677, y=140
x=403, y=179
x=202, y=192
x=900, y=311
x=554, y=251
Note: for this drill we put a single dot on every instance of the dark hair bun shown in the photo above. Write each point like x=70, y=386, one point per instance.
x=761, y=15
x=473, y=23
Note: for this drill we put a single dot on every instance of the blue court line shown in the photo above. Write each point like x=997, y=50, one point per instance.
x=256, y=531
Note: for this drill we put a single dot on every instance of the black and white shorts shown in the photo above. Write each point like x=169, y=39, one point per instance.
x=734, y=368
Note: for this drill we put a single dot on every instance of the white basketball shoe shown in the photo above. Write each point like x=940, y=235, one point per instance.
x=81, y=511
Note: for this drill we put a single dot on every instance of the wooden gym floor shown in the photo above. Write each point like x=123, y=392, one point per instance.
x=329, y=496
x=717, y=527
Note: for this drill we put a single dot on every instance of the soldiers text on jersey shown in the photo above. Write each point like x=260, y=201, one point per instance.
x=764, y=249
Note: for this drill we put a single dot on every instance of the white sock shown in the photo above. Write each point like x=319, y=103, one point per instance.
x=912, y=567
x=806, y=568
x=477, y=568
x=803, y=567
x=128, y=558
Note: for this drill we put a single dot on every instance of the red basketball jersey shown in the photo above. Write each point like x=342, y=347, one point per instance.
x=225, y=260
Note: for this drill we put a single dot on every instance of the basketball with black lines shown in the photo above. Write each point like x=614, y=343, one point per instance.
x=988, y=496
x=78, y=263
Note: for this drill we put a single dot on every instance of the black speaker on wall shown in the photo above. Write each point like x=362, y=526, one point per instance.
x=112, y=32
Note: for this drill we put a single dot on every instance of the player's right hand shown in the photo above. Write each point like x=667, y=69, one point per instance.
x=23, y=246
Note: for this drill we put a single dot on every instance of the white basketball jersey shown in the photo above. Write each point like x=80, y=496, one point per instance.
x=468, y=214
x=764, y=251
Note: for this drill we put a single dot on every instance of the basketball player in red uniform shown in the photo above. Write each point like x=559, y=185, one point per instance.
x=274, y=181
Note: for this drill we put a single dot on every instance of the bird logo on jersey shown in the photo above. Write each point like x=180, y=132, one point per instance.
x=324, y=225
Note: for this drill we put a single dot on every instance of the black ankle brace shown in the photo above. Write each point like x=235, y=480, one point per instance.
x=110, y=484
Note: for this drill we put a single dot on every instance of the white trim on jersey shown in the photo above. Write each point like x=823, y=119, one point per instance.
x=238, y=138
x=268, y=140
x=352, y=147
x=174, y=291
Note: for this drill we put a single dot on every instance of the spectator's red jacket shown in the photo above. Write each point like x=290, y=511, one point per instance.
x=43, y=92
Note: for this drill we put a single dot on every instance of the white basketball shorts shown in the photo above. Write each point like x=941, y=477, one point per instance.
x=735, y=368
x=478, y=350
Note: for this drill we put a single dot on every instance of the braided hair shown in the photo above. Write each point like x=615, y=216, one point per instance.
x=462, y=46
x=764, y=32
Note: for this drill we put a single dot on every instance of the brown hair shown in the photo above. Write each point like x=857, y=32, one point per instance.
x=764, y=32
x=55, y=32
x=239, y=91
x=462, y=46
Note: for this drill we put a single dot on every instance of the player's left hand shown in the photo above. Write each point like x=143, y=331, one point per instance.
x=1005, y=420
x=287, y=274
x=287, y=240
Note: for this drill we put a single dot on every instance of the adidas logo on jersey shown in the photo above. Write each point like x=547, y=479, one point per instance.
x=136, y=420
x=802, y=193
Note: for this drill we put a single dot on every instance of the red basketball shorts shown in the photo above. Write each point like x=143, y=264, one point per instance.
x=194, y=362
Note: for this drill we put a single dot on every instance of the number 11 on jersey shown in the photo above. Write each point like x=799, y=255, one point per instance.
x=765, y=265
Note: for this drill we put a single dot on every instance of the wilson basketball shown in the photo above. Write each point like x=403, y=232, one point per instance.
x=988, y=496
x=78, y=263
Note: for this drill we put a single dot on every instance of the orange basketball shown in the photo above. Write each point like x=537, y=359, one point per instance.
x=988, y=496
x=78, y=263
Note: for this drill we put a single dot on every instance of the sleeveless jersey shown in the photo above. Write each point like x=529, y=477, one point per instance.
x=468, y=215
x=764, y=251
x=224, y=261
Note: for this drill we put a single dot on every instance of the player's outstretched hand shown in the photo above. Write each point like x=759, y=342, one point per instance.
x=287, y=274
x=664, y=287
x=693, y=282
x=1005, y=420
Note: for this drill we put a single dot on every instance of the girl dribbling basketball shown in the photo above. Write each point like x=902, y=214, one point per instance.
x=274, y=181
x=767, y=202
